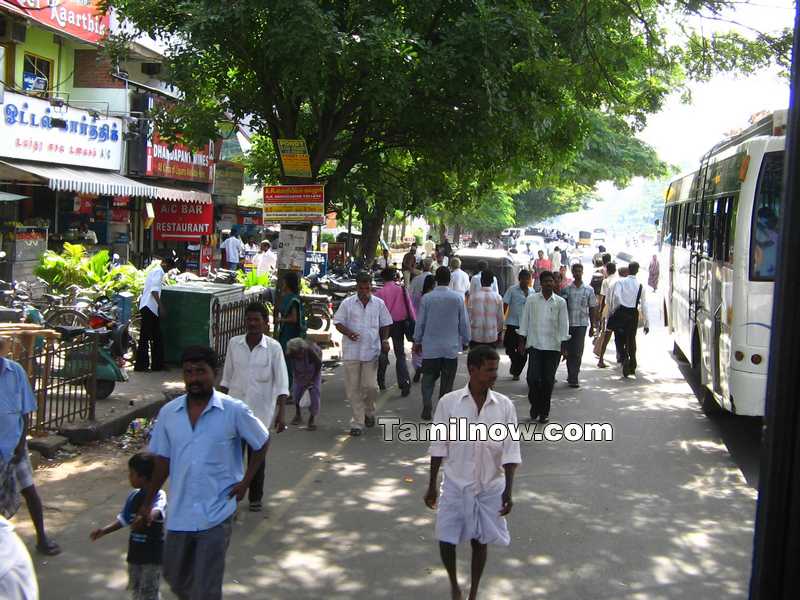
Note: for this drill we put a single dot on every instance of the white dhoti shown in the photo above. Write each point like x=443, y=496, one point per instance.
x=464, y=515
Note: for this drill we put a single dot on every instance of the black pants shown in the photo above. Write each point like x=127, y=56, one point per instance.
x=542, y=366
x=256, y=490
x=575, y=352
x=625, y=337
x=511, y=343
x=151, y=345
x=398, y=335
x=432, y=369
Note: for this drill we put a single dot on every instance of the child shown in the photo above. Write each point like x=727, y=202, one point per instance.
x=145, y=544
x=305, y=361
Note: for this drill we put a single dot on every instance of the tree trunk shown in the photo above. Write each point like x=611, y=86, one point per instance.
x=386, y=226
x=442, y=230
x=403, y=229
x=457, y=233
x=371, y=225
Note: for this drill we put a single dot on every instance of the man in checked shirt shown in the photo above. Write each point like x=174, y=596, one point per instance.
x=582, y=309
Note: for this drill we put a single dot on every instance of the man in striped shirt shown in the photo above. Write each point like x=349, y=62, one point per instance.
x=486, y=314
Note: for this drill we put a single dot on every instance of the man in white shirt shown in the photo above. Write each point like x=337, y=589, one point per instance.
x=430, y=248
x=234, y=249
x=606, y=290
x=364, y=322
x=17, y=576
x=459, y=280
x=150, y=351
x=265, y=261
x=555, y=259
x=475, y=282
x=544, y=332
x=255, y=372
x=478, y=475
x=626, y=299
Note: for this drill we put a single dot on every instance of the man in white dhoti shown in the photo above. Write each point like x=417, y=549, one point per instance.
x=478, y=475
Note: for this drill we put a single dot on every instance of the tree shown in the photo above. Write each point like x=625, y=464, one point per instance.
x=459, y=86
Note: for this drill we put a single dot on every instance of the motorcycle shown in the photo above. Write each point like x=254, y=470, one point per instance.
x=111, y=344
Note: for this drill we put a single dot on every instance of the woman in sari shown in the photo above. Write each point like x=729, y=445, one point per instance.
x=654, y=273
x=291, y=320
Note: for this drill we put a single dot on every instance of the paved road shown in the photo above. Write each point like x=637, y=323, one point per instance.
x=663, y=511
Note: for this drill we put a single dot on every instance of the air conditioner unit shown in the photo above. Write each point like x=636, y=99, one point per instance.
x=19, y=30
x=151, y=68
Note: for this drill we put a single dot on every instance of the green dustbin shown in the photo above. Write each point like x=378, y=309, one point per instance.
x=189, y=317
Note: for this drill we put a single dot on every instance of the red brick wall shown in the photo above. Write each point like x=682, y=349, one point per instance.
x=93, y=73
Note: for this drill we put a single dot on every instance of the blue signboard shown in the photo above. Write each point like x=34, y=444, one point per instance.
x=316, y=264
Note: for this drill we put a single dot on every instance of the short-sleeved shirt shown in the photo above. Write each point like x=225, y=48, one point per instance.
x=145, y=547
x=579, y=301
x=476, y=465
x=234, y=248
x=366, y=321
x=515, y=297
x=17, y=576
x=205, y=462
x=152, y=283
x=16, y=401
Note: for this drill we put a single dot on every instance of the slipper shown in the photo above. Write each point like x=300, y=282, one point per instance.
x=50, y=548
x=312, y=427
x=297, y=421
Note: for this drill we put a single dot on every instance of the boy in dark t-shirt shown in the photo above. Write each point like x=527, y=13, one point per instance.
x=146, y=542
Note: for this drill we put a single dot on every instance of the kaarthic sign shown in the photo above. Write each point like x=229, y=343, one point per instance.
x=27, y=133
x=177, y=161
x=82, y=19
x=294, y=204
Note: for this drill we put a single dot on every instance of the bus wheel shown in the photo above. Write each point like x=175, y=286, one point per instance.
x=708, y=403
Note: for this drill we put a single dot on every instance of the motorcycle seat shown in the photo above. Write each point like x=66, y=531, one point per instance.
x=69, y=332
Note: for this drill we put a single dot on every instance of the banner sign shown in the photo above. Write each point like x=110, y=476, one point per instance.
x=294, y=204
x=27, y=133
x=316, y=264
x=228, y=179
x=177, y=162
x=82, y=19
x=291, y=249
x=294, y=157
x=182, y=221
x=251, y=217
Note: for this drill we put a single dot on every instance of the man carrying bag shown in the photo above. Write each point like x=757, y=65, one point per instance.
x=626, y=297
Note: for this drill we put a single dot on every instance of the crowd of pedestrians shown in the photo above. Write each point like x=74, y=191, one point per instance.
x=203, y=440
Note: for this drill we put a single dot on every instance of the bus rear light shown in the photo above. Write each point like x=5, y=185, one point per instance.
x=739, y=355
x=756, y=359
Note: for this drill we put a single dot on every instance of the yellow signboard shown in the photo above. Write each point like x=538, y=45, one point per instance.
x=294, y=157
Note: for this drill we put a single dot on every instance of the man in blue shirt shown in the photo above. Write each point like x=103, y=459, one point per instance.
x=198, y=441
x=16, y=401
x=514, y=302
x=442, y=331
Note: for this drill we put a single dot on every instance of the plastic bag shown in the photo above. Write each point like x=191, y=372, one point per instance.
x=305, y=400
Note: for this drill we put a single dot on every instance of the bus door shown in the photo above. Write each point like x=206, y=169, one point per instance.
x=722, y=349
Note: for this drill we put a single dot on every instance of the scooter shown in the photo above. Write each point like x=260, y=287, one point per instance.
x=110, y=347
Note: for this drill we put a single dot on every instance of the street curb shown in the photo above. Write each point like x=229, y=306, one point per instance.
x=82, y=433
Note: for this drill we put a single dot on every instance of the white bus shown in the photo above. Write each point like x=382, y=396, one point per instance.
x=719, y=240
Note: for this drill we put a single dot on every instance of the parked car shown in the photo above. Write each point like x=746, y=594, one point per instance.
x=504, y=265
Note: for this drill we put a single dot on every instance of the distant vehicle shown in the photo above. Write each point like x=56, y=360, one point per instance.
x=513, y=232
x=719, y=249
x=536, y=243
x=505, y=266
x=599, y=235
x=584, y=238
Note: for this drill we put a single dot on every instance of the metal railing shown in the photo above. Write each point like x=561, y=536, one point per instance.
x=62, y=375
x=227, y=321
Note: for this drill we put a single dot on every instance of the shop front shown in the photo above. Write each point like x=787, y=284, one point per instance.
x=62, y=163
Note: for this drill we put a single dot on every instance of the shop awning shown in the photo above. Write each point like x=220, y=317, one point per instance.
x=73, y=179
x=167, y=193
x=92, y=181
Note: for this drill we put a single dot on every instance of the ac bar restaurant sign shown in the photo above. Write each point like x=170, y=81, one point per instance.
x=27, y=132
x=82, y=19
x=177, y=161
x=182, y=221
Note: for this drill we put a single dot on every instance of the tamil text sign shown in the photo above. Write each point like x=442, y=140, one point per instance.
x=291, y=249
x=82, y=19
x=294, y=157
x=177, y=161
x=294, y=204
x=182, y=221
x=27, y=133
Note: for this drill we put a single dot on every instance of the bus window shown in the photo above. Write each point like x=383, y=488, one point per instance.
x=766, y=218
x=680, y=226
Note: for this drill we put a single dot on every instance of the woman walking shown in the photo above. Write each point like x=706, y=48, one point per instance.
x=291, y=320
x=305, y=365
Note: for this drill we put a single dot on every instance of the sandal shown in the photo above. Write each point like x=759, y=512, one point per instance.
x=602, y=365
x=312, y=427
x=297, y=420
x=49, y=548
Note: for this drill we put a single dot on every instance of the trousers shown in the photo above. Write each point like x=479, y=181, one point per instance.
x=625, y=337
x=150, y=351
x=361, y=387
x=194, y=561
x=575, y=352
x=432, y=369
x=511, y=343
x=542, y=366
x=398, y=335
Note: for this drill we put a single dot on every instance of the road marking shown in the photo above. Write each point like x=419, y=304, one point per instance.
x=259, y=531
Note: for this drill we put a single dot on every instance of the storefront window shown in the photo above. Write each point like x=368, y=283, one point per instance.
x=36, y=73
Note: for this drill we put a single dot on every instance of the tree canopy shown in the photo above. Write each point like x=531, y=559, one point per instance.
x=388, y=95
